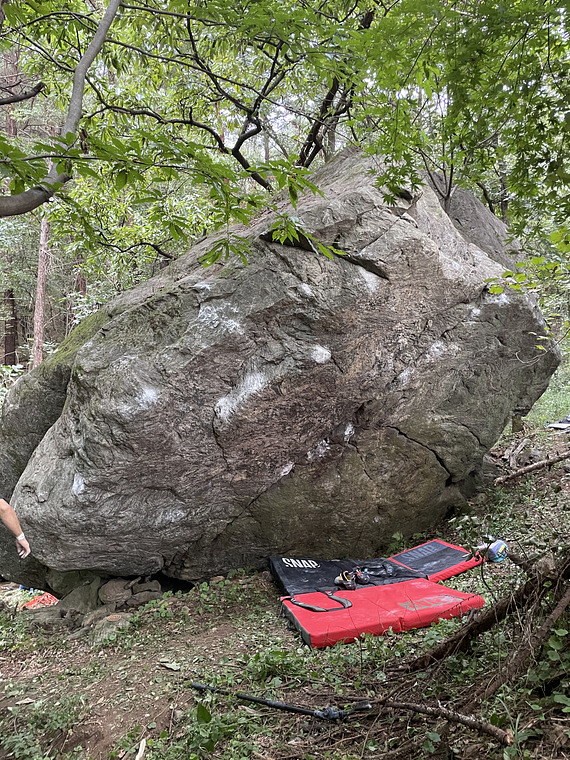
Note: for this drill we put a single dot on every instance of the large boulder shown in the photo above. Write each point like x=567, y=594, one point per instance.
x=298, y=405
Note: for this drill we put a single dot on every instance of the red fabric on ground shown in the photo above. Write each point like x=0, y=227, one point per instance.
x=43, y=600
x=376, y=609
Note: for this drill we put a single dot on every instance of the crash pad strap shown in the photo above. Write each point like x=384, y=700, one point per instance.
x=345, y=603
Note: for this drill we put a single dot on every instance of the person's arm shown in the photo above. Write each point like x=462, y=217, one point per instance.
x=10, y=520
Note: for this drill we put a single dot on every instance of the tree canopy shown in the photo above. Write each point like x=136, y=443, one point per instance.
x=179, y=89
x=169, y=119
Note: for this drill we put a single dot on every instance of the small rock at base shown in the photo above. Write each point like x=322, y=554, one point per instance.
x=143, y=597
x=115, y=591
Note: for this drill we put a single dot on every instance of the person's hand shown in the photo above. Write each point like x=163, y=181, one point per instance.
x=23, y=546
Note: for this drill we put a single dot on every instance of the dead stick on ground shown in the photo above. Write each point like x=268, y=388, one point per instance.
x=532, y=467
x=504, y=737
x=142, y=747
x=486, y=619
x=518, y=659
x=483, y=621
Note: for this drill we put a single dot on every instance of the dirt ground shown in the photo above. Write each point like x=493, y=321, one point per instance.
x=61, y=697
x=138, y=683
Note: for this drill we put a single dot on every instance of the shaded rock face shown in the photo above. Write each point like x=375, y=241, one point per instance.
x=298, y=405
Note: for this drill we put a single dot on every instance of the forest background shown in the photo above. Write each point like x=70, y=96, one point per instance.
x=130, y=129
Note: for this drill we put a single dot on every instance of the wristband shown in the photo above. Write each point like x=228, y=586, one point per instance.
x=20, y=537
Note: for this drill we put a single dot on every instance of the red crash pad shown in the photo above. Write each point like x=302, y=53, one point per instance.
x=374, y=610
x=43, y=600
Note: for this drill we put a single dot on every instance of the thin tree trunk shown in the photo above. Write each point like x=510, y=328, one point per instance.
x=43, y=258
x=10, y=80
x=80, y=280
x=10, y=328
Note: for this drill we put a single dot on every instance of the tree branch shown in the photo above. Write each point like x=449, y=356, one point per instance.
x=327, y=113
x=532, y=467
x=23, y=96
x=140, y=244
x=487, y=197
x=504, y=737
x=28, y=200
x=76, y=101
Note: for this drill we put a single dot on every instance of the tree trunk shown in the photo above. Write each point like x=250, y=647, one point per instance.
x=9, y=81
x=43, y=258
x=80, y=280
x=10, y=328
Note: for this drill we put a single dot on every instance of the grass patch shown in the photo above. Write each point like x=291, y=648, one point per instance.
x=554, y=404
x=62, y=699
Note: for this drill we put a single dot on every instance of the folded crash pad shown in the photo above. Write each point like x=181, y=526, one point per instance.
x=402, y=594
x=437, y=559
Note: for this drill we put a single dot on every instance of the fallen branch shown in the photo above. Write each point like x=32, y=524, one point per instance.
x=142, y=747
x=486, y=619
x=517, y=660
x=532, y=467
x=504, y=737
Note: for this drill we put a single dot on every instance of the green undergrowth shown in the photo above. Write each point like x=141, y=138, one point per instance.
x=555, y=403
x=60, y=698
x=228, y=634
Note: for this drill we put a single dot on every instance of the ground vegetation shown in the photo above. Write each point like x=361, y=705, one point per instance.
x=494, y=685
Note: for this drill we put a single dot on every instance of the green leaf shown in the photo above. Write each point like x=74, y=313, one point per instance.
x=293, y=194
x=121, y=179
x=555, y=643
x=203, y=715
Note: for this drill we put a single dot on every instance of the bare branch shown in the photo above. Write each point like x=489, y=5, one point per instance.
x=503, y=737
x=533, y=467
x=28, y=200
x=160, y=251
x=27, y=95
